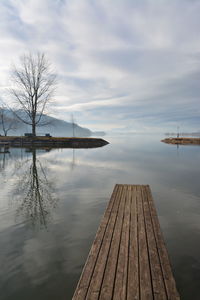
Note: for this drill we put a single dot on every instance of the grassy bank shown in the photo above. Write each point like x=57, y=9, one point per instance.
x=57, y=142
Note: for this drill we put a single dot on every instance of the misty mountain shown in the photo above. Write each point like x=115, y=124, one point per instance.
x=54, y=126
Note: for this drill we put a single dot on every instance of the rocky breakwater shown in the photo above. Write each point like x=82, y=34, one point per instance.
x=182, y=141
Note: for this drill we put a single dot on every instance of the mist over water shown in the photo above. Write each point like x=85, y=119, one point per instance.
x=51, y=203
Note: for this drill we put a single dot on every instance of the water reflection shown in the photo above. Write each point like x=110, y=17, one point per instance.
x=4, y=152
x=35, y=192
x=73, y=162
x=46, y=264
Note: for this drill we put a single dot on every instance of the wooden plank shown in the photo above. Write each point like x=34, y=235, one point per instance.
x=88, y=270
x=144, y=267
x=159, y=291
x=168, y=278
x=121, y=278
x=133, y=263
x=96, y=281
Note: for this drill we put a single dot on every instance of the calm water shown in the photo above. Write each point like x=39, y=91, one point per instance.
x=51, y=204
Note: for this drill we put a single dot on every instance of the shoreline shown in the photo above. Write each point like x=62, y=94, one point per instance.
x=55, y=142
x=182, y=141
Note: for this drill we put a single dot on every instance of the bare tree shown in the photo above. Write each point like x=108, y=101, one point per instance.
x=7, y=122
x=34, y=84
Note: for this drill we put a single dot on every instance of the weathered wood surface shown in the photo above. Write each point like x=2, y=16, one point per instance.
x=128, y=258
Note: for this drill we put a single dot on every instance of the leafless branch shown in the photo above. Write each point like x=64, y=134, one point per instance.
x=34, y=86
x=7, y=122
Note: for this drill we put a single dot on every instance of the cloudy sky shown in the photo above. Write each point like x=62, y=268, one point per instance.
x=122, y=65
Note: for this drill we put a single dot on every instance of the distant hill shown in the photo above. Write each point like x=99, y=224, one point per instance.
x=181, y=134
x=98, y=133
x=54, y=126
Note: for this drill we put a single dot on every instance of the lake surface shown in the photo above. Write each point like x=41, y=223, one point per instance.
x=51, y=203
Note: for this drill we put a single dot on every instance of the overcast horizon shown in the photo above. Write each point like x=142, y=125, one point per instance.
x=121, y=65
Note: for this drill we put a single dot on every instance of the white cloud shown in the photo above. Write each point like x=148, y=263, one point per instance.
x=111, y=56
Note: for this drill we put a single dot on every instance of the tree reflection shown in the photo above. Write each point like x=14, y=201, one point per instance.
x=36, y=192
x=4, y=152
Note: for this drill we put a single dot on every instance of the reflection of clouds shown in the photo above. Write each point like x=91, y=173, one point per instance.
x=189, y=279
x=132, y=161
x=61, y=252
x=184, y=255
x=54, y=257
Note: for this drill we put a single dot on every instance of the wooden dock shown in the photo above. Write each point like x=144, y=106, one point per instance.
x=128, y=259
